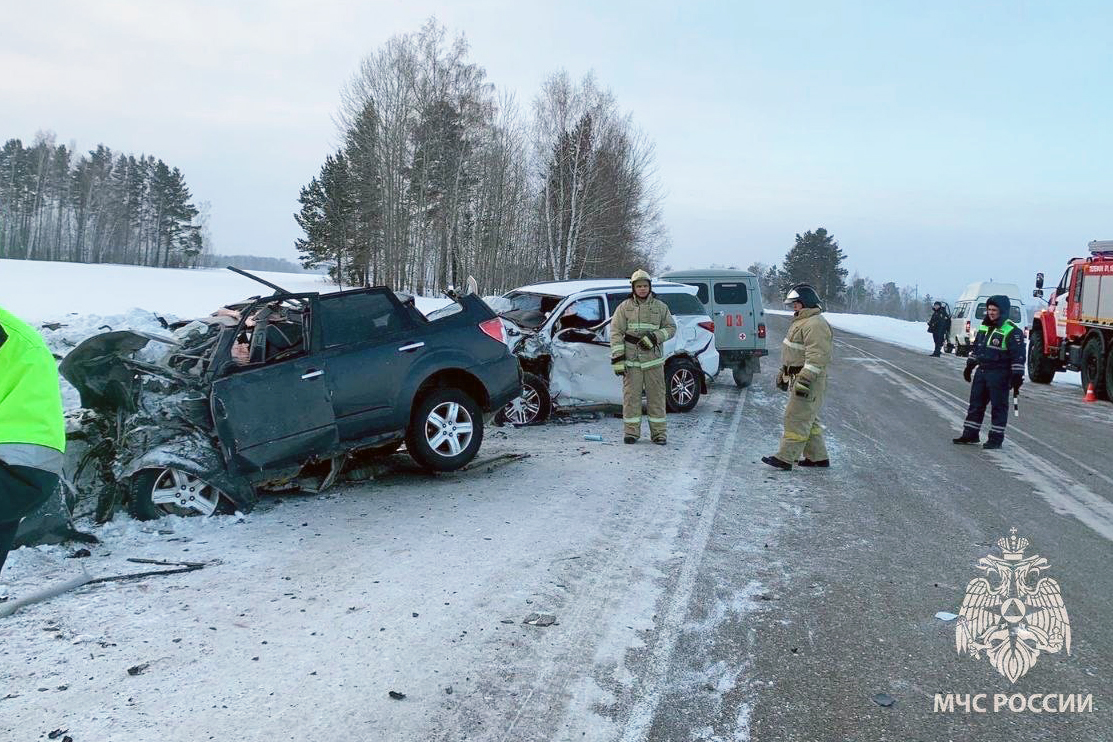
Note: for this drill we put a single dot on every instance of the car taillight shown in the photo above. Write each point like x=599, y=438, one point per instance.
x=709, y=326
x=761, y=330
x=493, y=329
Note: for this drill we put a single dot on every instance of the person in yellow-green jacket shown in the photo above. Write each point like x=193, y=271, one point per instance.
x=32, y=429
x=639, y=329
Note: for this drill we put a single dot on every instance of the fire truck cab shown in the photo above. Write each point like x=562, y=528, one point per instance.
x=1075, y=330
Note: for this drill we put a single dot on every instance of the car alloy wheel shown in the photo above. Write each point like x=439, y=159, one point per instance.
x=448, y=429
x=177, y=493
x=525, y=409
x=684, y=386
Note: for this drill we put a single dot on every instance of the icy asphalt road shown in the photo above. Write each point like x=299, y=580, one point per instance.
x=698, y=595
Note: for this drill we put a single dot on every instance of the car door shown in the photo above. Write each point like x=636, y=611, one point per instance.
x=581, y=370
x=274, y=414
x=368, y=345
x=735, y=325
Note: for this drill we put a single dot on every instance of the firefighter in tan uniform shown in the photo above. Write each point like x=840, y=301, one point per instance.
x=805, y=354
x=639, y=329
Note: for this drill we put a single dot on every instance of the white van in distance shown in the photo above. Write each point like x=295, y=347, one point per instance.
x=966, y=317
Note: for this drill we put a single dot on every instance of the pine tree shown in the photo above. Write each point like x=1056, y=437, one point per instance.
x=816, y=259
x=327, y=217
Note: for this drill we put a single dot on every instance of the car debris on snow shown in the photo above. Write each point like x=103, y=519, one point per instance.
x=396, y=695
x=884, y=699
x=539, y=619
x=85, y=579
x=138, y=669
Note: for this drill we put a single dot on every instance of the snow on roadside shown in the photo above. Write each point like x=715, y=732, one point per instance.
x=41, y=291
x=912, y=335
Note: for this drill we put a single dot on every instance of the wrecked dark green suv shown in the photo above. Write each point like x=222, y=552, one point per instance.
x=263, y=392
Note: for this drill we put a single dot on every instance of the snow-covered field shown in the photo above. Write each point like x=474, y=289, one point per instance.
x=901, y=332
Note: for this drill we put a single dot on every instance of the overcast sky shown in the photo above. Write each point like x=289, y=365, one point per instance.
x=941, y=143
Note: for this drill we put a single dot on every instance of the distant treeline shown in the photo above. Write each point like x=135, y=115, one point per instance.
x=253, y=263
x=98, y=207
x=816, y=259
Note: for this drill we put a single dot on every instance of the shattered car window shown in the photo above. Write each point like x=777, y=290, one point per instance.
x=530, y=310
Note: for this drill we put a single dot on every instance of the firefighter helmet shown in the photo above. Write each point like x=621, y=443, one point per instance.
x=640, y=275
x=803, y=293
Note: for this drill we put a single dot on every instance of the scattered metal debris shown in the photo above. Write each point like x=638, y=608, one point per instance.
x=884, y=699
x=540, y=619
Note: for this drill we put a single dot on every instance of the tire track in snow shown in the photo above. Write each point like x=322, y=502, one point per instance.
x=578, y=621
x=641, y=715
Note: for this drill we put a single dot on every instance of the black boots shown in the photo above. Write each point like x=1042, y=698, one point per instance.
x=775, y=462
x=965, y=439
x=630, y=439
x=822, y=463
x=991, y=445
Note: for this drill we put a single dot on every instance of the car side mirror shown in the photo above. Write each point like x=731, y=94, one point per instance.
x=1039, y=281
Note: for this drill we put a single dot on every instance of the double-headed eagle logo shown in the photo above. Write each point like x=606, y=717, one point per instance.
x=1012, y=621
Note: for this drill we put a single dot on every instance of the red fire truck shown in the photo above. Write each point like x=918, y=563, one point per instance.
x=1075, y=330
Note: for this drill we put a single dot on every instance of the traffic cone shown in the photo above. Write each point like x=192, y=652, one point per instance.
x=1090, y=396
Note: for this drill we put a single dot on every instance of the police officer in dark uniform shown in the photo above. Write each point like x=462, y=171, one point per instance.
x=938, y=326
x=998, y=357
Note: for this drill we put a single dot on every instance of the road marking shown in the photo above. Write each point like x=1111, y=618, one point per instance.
x=964, y=403
x=1065, y=494
x=641, y=716
x=576, y=623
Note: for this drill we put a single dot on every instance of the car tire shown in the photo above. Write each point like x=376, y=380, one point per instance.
x=436, y=439
x=1109, y=374
x=742, y=379
x=156, y=493
x=534, y=405
x=682, y=386
x=1093, y=366
x=1040, y=368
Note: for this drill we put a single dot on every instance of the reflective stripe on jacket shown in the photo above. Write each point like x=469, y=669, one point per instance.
x=638, y=318
x=1000, y=347
x=30, y=396
x=807, y=344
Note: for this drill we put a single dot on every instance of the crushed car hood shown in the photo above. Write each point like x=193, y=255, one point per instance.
x=103, y=371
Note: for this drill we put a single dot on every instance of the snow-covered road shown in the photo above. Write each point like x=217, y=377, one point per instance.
x=317, y=607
